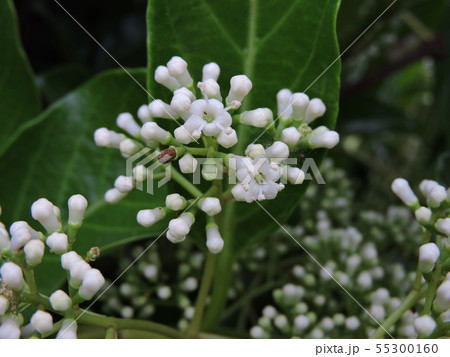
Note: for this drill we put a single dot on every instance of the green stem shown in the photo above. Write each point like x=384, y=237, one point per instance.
x=208, y=273
x=182, y=181
x=410, y=300
x=196, y=151
x=110, y=333
x=431, y=291
x=29, y=277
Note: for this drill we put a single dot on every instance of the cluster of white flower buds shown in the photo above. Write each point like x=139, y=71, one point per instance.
x=23, y=248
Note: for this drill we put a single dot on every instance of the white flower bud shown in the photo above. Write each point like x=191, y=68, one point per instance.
x=290, y=135
x=187, y=92
x=257, y=117
x=364, y=280
x=428, y=256
x=295, y=175
x=143, y=113
x=150, y=271
x=190, y=284
x=159, y=109
x=4, y=240
x=240, y=86
x=44, y=211
x=299, y=103
x=180, y=227
x=210, y=205
x=24, y=225
x=327, y=323
x=210, y=71
x=124, y=183
x=10, y=329
x=424, y=325
x=152, y=131
x=77, y=207
x=164, y=292
x=58, y=243
x=107, y=138
x=442, y=301
x=316, y=108
x=437, y=195
x=60, y=301
x=443, y=226
x=128, y=148
x=19, y=238
x=42, y=321
x=69, y=259
x=255, y=150
x=188, y=164
x=140, y=173
x=316, y=333
x=92, y=282
x=238, y=192
x=227, y=138
x=269, y=311
x=12, y=275
x=378, y=312
x=292, y=293
x=281, y=321
x=278, y=150
x=68, y=330
x=327, y=140
x=183, y=135
x=181, y=104
x=114, y=196
x=426, y=186
x=214, y=240
x=210, y=89
x=34, y=251
x=298, y=271
x=4, y=305
x=301, y=322
x=77, y=272
x=284, y=103
x=148, y=217
x=175, y=202
x=178, y=69
x=258, y=332
x=126, y=122
x=423, y=215
x=402, y=189
x=380, y=296
x=162, y=76
x=352, y=323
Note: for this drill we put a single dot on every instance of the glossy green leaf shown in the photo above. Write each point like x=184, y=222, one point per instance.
x=57, y=157
x=20, y=100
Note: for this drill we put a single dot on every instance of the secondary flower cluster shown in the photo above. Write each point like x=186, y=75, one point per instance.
x=22, y=249
x=256, y=174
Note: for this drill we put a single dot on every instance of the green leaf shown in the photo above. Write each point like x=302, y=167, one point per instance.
x=57, y=157
x=20, y=97
x=290, y=44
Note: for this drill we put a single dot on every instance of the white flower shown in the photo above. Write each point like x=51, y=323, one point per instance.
x=149, y=217
x=316, y=108
x=19, y=238
x=227, y=138
x=42, y=321
x=159, y=109
x=210, y=89
x=299, y=103
x=58, y=242
x=255, y=150
x=183, y=135
x=240, y=86
x=114, y=196
x=77, y=207
x=12, y=275
x=46, y=213
x=278, y=151
x=437, y=195
x=352, y=323
x=210, y=71
x=175, y=202
x=77, y=272
x=152, y=131
x=188, y=164
x=164, y=292
x=328, y=140
x=210, y=205
x=428, y=256
x=209, y=117
x=284, y=103
x=443, y=226
x=4, y=305
x=143, y=113
x=60, y=301
x=69, y=259
x=107, y=138
x=214, y=240
x=257, y=117
x=424, y=325
x=290, y=136
x=162, y=76
x=92, y=282
x=34, y=251
x=442, y=301
x=426, y=186
x=180, y=227
x=402, y=189
x=258, y=332
x=126, y=122
x=124, y=183
x=423, y=215
x=10, y=328
x=178, y=69
x=181, y=104
x=68, y=330
x=295, y=175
